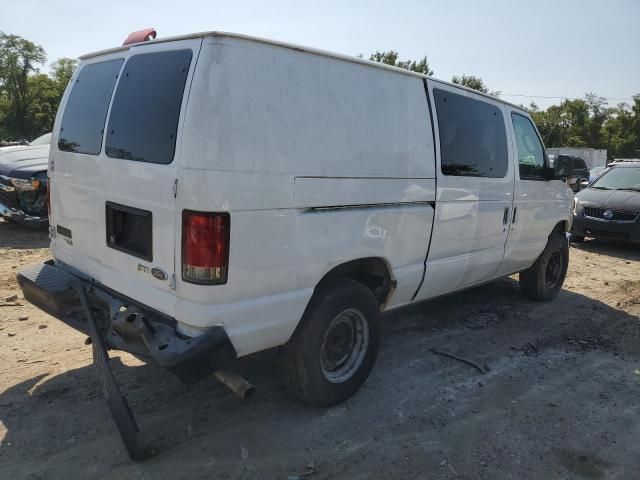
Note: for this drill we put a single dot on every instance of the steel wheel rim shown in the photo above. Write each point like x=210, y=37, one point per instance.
x=344, y=345
x=553, y=270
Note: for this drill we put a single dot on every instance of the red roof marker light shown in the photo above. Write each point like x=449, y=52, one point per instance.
x=144, y=35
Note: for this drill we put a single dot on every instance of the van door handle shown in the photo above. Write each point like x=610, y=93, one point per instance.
x=513, y=219
x=505, y=217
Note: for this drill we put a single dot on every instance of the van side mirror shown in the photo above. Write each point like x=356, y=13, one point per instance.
x=584, y=183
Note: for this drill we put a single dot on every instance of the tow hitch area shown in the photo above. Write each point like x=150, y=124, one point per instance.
x=112, y=323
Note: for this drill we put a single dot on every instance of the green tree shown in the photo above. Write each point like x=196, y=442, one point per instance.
x=29, y=99
x=476, y=83
x=622, y=130
x=42, y=105
x=589, y=122
x=550, y=125
x=61, y=72
x=19, y=58
x=391, y=58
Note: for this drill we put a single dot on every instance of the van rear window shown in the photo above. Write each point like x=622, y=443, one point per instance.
x=86, y=111
x=144, y=117
x=473, y=139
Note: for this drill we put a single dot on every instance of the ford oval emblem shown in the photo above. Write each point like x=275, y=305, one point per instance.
x=608, y=214
x=159, y=273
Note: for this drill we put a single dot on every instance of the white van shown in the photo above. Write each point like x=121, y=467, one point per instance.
x=216, y=195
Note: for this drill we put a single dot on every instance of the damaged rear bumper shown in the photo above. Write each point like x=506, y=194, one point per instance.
x=125, y=324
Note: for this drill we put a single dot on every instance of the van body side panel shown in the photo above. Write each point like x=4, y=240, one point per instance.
x=277, y=257
x=319, y=162
x=269, y=109
x=314, y=192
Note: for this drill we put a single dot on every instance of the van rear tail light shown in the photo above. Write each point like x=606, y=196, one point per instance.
x=205, y=247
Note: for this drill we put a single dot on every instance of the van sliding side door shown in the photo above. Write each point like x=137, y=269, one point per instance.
x=474, y=199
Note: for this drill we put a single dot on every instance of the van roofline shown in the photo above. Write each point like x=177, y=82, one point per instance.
x=301, y=48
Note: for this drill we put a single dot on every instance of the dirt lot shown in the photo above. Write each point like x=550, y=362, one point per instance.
x=560, y=399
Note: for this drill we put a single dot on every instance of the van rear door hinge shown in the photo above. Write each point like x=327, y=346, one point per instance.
x=172, y=282
x=175, y=188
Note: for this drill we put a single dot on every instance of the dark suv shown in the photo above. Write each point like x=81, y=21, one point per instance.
x=574, y=168
x=23, y=183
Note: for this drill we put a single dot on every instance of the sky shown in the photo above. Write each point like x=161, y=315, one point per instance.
x=543, y=48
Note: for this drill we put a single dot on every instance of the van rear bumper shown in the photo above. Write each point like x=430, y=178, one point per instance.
x=125, y=324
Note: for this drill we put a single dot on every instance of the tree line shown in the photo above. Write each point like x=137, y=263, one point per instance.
x=29, y=100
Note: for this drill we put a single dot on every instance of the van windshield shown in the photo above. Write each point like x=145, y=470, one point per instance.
x=144, y=116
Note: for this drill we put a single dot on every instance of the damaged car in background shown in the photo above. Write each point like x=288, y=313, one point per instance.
x=23, y=183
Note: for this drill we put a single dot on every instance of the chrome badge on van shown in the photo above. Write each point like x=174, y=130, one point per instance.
x=159, y=273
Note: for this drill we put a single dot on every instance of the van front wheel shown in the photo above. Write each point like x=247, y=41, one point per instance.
x=333, y=350
x=543, y=280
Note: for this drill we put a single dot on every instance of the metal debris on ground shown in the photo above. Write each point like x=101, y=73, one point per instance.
x=461, y=359
x=310, y=470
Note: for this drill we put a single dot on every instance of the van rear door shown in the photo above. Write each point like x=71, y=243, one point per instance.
x=114, y=167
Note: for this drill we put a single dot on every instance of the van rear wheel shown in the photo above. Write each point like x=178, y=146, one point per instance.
x=543, y=280
x=333, y=350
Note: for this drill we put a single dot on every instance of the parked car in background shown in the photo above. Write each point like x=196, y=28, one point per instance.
x=573, y=168
x=610, y=206
x=4, y=144
x=23, y=182
x=41, y=140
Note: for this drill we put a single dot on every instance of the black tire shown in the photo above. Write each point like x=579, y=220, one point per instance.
x=307, y=359
x=543, y=280
x=577, y=238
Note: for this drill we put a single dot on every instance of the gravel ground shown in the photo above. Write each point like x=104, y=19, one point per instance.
x=558, y=399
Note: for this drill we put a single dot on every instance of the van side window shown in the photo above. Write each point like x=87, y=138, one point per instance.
x=143, y=122
x=473, y=141
x=530, y=149
x=86, y=110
